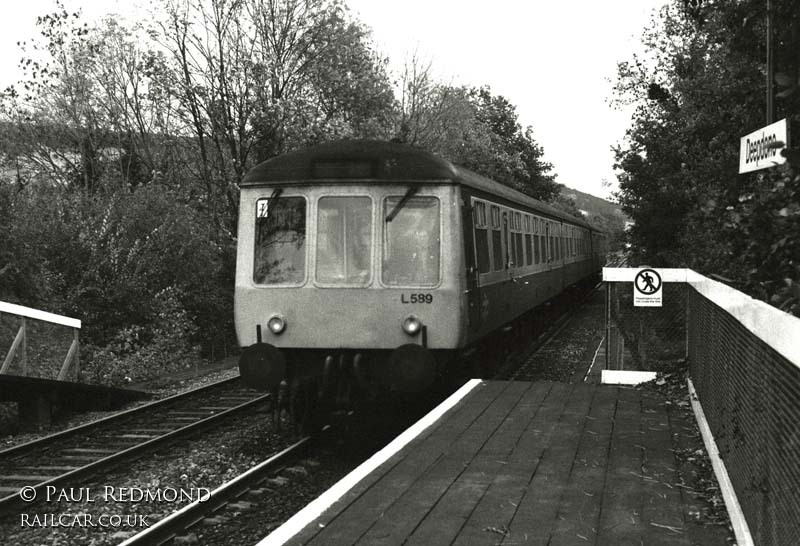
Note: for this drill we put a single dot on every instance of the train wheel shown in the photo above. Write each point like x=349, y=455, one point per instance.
x=280, y=397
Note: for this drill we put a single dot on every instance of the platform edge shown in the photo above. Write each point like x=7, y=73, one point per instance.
x=315, y=508
x=738, y=521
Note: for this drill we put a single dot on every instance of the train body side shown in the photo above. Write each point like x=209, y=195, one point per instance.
x=539, y=256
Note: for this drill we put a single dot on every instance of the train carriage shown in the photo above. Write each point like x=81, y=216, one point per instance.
x=379, y=262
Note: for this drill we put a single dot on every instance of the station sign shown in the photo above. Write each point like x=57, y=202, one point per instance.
x=647, y=288
x=755, y=151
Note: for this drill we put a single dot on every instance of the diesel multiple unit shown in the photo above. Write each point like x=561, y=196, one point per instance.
x=378, y=263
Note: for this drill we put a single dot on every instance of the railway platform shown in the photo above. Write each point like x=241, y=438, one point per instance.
x=35, y=386
x=38, y=397
x=551, y=463
x=519, y=463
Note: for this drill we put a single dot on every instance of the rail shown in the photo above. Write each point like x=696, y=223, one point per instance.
x=20, y=343
x=184, y=519
x=96, y=441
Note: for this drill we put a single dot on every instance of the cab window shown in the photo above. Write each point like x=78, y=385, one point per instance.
x=344, y=240
x=280, y=241
x=411, y=241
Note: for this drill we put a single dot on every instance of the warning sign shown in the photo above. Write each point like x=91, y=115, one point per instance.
x=647, y=288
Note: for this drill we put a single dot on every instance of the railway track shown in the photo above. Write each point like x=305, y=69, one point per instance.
x=235, y=495
x=513, y=367
x=92, y=448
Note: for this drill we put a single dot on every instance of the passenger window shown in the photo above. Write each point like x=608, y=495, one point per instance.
x=542, y=248
x=481, y=238
x=529, y=249
x=497, y=240
x=280, y=241
x=482, y=250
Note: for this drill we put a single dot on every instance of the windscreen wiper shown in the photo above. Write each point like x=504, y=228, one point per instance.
x=409, y=193
x=273, y=199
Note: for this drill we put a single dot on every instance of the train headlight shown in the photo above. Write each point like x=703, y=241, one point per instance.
x=412, y=325
x=276, y=324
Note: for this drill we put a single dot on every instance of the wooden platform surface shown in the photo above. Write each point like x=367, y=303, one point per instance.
x=524, y=463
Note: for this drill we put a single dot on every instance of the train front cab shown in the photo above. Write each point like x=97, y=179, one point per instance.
x=356, y=276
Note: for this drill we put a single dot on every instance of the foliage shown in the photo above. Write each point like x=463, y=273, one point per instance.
x=566, y=204
x=474, y=128
x=514, y=155
x=614, y=227
x=137, y=353
x=123, y=146
x=602, y=214
x=111, y=259
x=255, y=78
x=697, y=90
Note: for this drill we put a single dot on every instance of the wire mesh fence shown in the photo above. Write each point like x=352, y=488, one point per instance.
x=645, y=338
x=749, y=391
x=751, y=398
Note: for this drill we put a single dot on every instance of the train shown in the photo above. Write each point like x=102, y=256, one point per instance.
x=374, y=266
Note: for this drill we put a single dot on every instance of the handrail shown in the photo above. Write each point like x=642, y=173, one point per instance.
x=38, y=315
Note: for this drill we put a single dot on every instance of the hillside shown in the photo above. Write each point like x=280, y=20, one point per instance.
x=591, y=205
x=602, y=214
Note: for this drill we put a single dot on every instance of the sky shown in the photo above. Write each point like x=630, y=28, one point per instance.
x=556, y=61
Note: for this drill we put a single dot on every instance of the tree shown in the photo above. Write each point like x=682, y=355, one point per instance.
x=89, y=108
x=256, y=78
x=124, y=145
x=473, y=128
x=53, y=122
x=700, y=89
x=515, y=156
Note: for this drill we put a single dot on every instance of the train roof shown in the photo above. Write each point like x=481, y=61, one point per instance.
x=331, y=162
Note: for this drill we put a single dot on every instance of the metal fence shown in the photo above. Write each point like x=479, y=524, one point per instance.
x=744, y=362
x=750, y=395
x=644, y=338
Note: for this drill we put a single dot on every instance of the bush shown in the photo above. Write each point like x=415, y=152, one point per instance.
x=138, y=353
x=147, y=273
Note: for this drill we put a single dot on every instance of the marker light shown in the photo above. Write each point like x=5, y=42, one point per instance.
x=276, y=324
x=412, y=325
